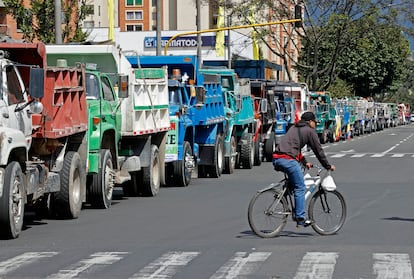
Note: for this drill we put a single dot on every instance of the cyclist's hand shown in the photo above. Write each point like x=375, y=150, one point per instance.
x=332, y=168
x=309, y=165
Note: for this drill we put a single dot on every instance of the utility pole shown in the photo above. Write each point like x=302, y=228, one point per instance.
x=58, y=22
x=198, y=23
x=158, y=31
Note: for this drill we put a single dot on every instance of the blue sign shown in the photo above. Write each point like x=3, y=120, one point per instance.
x=183, y=42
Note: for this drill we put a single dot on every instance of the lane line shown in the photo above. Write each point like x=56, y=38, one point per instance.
x=165, y=266
x=241, y=265
x=97, y=260
x=317, y=265
x=395, y=266
x=22, y=260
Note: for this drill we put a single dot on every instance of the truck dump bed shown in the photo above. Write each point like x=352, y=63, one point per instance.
x=64, y=104
x=146, y=110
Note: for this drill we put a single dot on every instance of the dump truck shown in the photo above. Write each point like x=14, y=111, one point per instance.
x=195, y=145
x=104, y=120
x=43, y=129
x=268, y=108
x=128, y=109
x=321, y=104
x=239, y=109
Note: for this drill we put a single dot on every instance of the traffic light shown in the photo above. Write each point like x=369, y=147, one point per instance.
x=298, y=15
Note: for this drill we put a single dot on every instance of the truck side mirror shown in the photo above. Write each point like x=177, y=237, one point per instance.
x=36, y=83
x=200, y=96
x=123, y=87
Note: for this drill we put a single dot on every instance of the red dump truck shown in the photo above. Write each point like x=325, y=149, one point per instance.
x=43, y=125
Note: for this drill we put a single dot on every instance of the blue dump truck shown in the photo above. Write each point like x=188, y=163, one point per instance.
x=269, y=109
x=239, y=110
x=197, y=116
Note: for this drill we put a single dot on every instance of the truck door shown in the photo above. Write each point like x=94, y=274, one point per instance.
x=110, y=108
x=15, y=96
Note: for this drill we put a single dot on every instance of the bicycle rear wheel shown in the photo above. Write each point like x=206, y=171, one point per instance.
x=328, y=211
x=267, y=213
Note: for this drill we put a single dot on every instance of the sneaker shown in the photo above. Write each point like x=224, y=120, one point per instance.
x=304, y=223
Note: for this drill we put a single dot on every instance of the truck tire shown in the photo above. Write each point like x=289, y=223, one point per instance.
x=257, y=152
x=67, y=203
x=102, y=186
x=247, y=153
x=151, y=175
x=269, y=147
x=216, y=170
x=183, y=169
x=230, y=162
x=12, y=202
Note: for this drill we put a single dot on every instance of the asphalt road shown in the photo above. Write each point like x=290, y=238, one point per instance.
x=201, y=231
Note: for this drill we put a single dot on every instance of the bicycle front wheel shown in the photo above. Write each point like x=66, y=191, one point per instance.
x=267, y=213
x=328, y=211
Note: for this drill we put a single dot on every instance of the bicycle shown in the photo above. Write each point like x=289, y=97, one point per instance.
x=270, y=207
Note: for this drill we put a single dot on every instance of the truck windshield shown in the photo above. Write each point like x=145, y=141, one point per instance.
x=92, y=86
x=174, y=95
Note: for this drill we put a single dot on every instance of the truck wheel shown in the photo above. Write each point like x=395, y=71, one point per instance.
x=11, y=202
x=216, y=170
x=151, y=176
x=247, y=153
x=101, y=189
x=257, y=152
x=183, y=169
x=67, y=203
x=230, y=162
x=269, y=147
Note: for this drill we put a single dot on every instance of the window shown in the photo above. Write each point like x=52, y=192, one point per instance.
x=134, y=2
x=90, y=10
x=107, y=90
x=15, y=92
x=134, y=15
x=134, y=27
x=89, y=24
x=92, y=87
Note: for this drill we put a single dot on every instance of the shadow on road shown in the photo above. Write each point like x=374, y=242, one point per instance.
x=399, y=219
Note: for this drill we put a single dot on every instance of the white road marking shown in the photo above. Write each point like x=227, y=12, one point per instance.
x=378, y=155
x=392, y=266
x=358, y=155
x=317, y=265
x=97, y=259
x=241, y=265
x=22, y=260
x=165, y=266
x=339, y=155
x=398, y=155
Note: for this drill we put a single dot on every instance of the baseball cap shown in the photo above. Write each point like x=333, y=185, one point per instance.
x=307, y=116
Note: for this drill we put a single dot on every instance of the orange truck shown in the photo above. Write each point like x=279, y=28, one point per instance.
x=43, y=147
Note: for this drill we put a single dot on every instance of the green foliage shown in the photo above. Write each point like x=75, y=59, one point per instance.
x=340, y=89
x=38, y=21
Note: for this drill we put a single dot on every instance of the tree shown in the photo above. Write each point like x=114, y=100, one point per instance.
x=333, y=33
x=37, y=21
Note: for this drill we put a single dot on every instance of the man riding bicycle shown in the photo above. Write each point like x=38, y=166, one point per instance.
x=288, y=156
